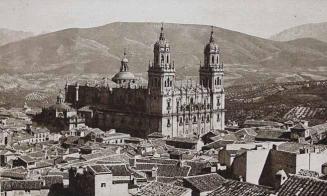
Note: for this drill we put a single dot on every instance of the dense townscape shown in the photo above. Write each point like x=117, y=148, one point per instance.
x=126, y=136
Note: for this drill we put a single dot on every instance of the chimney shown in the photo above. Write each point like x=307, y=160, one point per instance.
x=324, y=169
x=280, y=178
x=275, y=147
x=154, y=173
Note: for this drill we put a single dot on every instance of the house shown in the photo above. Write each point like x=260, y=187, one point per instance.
x=202, y=185
x=39, y=134
x=259, y=166
x=25, y=161
x=95, y=180
x=186, y=143
x=159, y=189
x=318, y=133
x=112, y=137
x=300, y=130
x=46, y=185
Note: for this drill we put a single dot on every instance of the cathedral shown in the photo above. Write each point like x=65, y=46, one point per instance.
x=164, y=105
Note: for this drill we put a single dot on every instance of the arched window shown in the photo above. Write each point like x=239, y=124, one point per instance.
x=191, y=100
x=212, y=60
x=167, y=59
x=165, y=83
x=217, y=59
x=162, y=58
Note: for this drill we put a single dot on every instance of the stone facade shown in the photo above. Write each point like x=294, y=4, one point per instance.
x=173, y=108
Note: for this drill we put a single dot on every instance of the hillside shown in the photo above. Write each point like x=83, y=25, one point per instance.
x=98, y=50
x=313, y=30
x=7, y=35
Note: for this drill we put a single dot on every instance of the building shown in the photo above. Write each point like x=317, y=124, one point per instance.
x=61, y=116
x=172, y=108
x=96, y=180
x=260, y=166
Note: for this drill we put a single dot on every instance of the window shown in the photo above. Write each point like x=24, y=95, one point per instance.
x=168, y=104
x=191, y=100
x=212, y=60
x=168, y=123
x=167, y=59
x=218, y=118
x=186, y=120
x=180, y=121
x=218, y=101
x=103, y=185
x=208, y=118
x=194, y=119
x=217, y=59
x=162, y=59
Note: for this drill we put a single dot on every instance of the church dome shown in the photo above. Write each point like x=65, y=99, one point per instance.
x=124, y=75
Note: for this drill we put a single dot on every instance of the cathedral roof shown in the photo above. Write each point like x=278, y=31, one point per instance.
x=61, y=107
x=124, y=75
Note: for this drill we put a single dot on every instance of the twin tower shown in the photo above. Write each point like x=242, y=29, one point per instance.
x=186, y=109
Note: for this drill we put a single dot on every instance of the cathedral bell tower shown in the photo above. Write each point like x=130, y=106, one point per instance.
x=161, y=82
x=161, y=72
x=211, y=77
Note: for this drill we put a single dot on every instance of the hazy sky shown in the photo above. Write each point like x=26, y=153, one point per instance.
x=256, y=17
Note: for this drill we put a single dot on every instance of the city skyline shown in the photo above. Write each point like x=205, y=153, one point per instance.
x=260, y=18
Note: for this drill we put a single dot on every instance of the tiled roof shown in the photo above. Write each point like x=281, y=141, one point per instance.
x=262, y=123
x=103, y=153
x=206, y=182
x=165, y=170
x=295, y=147
x=191, y=140
x=99, y=169
x=160, y=189
x=197, y=167
x=8, y=185
x=27, y=159
x=119, y=170
x=308, y=173
x=160, y=161
x=303, y=186
x=236, y=188
x=50, y=180
x=300, y=126
x=274, y=135
x=15, y=173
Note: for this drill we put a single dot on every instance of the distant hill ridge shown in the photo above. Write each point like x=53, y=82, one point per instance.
x=99, y=50
x=7, y=35
x=313, y=30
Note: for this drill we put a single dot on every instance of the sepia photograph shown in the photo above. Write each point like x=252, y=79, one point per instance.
x=163, y=98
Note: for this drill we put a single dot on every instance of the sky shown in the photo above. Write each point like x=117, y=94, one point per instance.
x=261, y=18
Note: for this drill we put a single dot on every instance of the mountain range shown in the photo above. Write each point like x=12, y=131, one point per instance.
x=312, y=30
x=7, y=35
x=99, y=49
